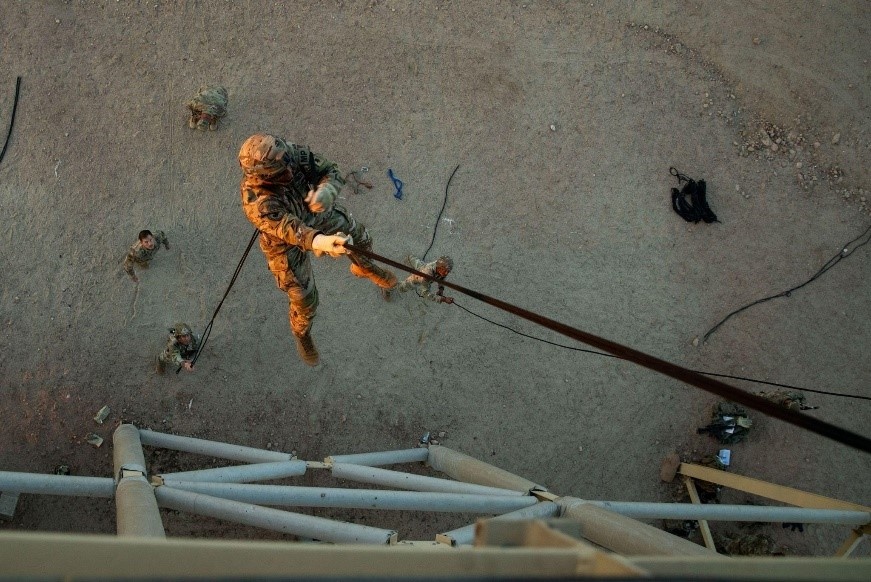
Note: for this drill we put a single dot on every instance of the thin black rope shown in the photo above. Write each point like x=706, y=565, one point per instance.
x=439, y=219
x=690, y=377
x=208, y=330
x=12, y=118
x=779, y=385
x=843, y=253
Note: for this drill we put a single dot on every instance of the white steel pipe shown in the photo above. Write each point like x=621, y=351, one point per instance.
x=716, y=512
x=466, y=535
x=382, y=458
x=136, y=511
x=357, y=498
x=127, y=450
x=462, y=467
x=36, y=483
x=211, y=448
x=272, y=519
x=402, y=480
x=241, y=473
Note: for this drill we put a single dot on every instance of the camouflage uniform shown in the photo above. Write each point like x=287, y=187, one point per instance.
x=209, y=106
x=141, y=256
x=788, y=400
x=421, y=286
x=176, y=353
x=735, y=544
x=276, y=207
x=729, y=423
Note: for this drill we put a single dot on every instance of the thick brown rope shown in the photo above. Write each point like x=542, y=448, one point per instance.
x=690, y=377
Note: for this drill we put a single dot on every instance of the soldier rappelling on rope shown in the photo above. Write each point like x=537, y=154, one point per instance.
x=288, y=194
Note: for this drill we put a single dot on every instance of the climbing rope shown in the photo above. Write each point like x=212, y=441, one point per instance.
x=685, y=375
x=208, y=330
x=706, y=373
x=842, y=254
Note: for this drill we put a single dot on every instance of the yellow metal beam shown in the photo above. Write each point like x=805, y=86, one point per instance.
x=703, y=523
x=773, y=491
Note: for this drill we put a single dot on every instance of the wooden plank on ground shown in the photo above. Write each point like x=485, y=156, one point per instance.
x=703, y=523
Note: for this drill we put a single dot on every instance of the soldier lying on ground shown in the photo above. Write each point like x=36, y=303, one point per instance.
x=143, y=250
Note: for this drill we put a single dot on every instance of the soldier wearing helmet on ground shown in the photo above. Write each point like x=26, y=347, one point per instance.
x=180, y=349
x=288, y=194
x=207, y=107
x=439, y=269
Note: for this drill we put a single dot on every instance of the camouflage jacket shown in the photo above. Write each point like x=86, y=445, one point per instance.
x=175, y=353
x=420, y=285
x=139, y=255
x=278, y=209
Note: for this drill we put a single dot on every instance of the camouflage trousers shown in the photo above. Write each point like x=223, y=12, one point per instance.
x=293, y=269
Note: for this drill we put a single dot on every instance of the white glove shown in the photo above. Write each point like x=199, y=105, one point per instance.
x=321, y=199
x=333, y=245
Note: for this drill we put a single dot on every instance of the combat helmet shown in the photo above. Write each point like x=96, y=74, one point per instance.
x=264, y=155
x=180, y=329
x=446, y=261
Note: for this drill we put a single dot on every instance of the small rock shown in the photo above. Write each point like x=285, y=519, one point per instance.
x=696, y=341
x=434, y=442
x=442, y=434
x=756, y=40
x=552, y=127
x=836, y=138
x=798, y=165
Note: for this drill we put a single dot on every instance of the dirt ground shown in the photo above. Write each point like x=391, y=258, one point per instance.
x=564, y=118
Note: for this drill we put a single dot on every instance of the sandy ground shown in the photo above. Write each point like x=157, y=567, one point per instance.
x=564, y=118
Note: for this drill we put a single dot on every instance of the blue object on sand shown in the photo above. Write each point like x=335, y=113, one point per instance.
x=397, y=183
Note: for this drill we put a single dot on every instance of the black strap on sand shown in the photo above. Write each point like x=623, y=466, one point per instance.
x=12, y=118
x=690, y=377
x=439, y=217
x=690, y=201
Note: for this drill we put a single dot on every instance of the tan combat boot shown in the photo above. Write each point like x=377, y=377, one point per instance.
x=381, y=277
x=307, y=350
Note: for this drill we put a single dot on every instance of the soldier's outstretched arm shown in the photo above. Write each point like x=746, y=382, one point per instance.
x=128, y=268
